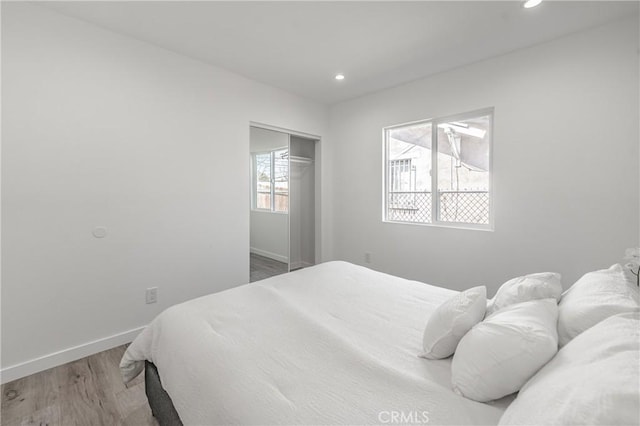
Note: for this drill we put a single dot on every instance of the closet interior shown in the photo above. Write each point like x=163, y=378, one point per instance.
x=302, y=203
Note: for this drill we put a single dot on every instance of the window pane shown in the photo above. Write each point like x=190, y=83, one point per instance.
x=409, y=173
x=281, y=180
x=263, y=181
x=463, y=170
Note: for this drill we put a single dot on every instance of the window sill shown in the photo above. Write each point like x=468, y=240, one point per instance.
x=461, y=226
x=268, y=211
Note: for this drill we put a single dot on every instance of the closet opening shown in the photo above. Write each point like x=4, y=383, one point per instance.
x=284, y=201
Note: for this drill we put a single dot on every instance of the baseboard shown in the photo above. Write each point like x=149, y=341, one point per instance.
x=299, y=265
x=274, y=256
x=64, y=356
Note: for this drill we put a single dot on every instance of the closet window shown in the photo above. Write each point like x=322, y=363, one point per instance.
x=271, y=181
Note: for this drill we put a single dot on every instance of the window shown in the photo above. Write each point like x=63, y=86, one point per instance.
x=271, y=181
x=402, y=174
x=439, y=171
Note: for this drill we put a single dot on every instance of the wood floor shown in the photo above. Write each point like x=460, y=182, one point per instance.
x=263, y=267
x=84, y=392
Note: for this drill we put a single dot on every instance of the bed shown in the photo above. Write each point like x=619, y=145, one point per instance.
x=331, y=344
x=339, y=344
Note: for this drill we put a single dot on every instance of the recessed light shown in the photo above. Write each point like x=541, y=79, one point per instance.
x=531, y=3
x=339, y=77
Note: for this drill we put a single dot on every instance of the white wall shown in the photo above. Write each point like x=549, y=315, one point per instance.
x=270, y=235
x=262, y=140
x=104, y=130
x=565, y=164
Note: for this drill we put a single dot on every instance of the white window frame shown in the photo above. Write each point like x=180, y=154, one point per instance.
x=254, y=183
x=435, y=199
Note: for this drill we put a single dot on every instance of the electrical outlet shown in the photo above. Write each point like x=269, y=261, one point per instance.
x=152, y=295
x=367, y=257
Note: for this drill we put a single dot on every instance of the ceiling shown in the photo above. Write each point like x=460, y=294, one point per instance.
x=300, y=46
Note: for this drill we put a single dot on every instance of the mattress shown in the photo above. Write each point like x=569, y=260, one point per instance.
x=332, y=344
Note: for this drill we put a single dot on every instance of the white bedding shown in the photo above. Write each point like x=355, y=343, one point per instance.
x=331, y=344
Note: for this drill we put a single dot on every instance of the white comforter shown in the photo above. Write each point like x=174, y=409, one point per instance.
x=331, y=344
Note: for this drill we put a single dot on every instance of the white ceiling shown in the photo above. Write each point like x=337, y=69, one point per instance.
x=300, y=46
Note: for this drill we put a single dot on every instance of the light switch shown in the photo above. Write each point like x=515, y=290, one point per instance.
x=100, y=232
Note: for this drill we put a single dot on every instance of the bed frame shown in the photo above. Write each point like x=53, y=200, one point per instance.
x=161, y=405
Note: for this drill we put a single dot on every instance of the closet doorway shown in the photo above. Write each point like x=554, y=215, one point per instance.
x=283, y=201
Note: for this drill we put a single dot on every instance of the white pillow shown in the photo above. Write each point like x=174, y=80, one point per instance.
x=451, y=320
x=591, y=381
x=497, y=356
x=543, y=285
x=593, y=298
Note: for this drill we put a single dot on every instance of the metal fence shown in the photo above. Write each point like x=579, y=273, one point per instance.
x=409, y=207
x=455, y=206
